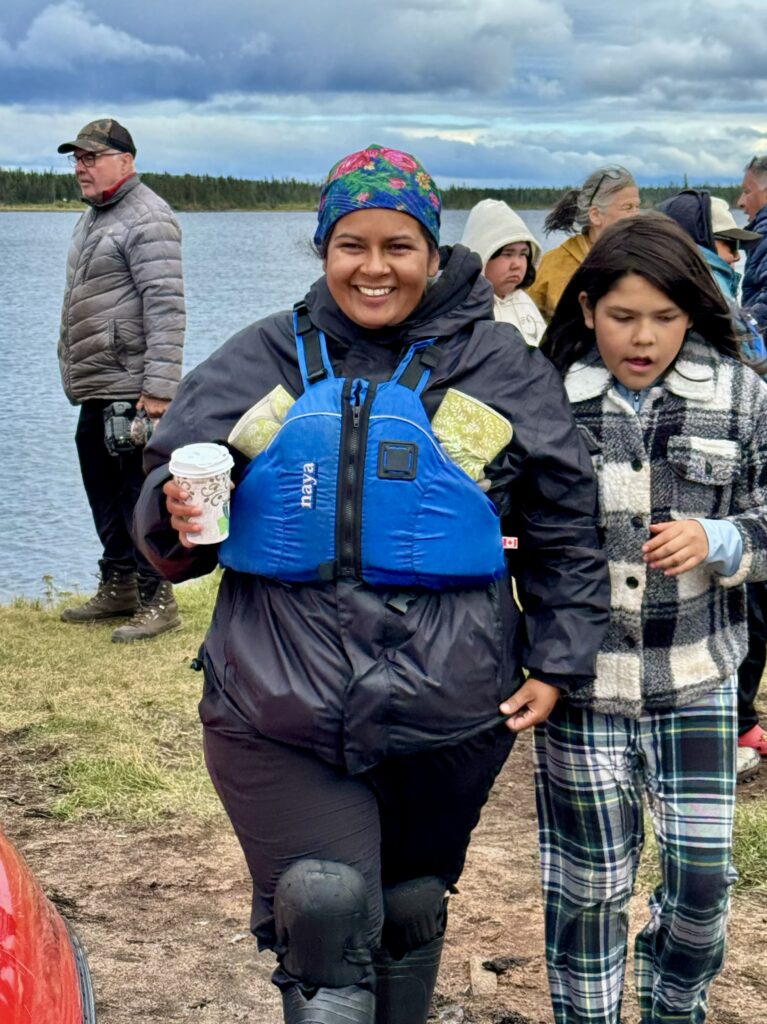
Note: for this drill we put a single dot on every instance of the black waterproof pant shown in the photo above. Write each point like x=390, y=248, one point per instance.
x=409, y=817
x=752, y=668
x=112, y=484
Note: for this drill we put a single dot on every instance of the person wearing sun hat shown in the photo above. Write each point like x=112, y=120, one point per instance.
x=725, y=228
x=365, y=630
x=729, y=238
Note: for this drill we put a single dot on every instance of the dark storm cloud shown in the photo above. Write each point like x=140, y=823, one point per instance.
x=538, y=52
x=77, y=50
x=485, y=90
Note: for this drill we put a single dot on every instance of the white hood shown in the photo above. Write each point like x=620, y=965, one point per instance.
x=493, y=224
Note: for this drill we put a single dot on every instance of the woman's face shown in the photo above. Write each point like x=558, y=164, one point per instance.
x=377, y=266
x=622, y=204
x=507, y=269
x=639, y=330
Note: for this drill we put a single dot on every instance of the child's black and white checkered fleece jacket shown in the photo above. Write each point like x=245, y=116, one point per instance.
x=697, y=449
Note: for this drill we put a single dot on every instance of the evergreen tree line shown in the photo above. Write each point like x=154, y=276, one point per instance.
x=206, y=192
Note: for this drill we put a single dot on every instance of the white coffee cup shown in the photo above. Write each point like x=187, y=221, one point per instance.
x=203, y=471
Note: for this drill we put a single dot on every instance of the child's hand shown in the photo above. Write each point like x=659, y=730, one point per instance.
x=677, y=546
x=532, y=703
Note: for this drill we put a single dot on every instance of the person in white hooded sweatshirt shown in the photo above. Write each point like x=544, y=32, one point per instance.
x=509, y=255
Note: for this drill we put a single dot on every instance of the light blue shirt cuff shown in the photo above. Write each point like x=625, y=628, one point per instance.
x=725, y=545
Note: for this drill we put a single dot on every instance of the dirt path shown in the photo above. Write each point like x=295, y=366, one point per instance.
x=163, y=915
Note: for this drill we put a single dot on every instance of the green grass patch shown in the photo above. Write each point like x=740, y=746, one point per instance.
x=750, y=844
x=114, y=727
x=749, y=850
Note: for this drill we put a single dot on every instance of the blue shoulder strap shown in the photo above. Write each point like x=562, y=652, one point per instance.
x=311, y=347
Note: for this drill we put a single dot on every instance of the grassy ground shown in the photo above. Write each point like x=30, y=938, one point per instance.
x=119, y=721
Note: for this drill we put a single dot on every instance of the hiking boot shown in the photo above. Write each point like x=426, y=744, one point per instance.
x=117, y=595
x=157, y=613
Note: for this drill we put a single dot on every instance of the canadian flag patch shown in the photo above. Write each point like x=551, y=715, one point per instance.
x=510, y=542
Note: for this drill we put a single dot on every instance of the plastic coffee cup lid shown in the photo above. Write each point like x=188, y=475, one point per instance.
x=200, y=460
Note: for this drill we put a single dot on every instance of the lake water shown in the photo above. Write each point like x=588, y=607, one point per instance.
x=237, y=267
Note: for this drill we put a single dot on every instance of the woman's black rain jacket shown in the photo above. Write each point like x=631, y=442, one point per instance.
x=356, y=674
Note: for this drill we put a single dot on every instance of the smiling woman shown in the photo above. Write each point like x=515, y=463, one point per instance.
x=365, y=631
x=377, y=264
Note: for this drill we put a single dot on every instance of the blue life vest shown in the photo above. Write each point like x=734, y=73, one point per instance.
x=355, y=484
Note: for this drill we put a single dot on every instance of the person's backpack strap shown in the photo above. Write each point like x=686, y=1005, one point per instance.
x=419, y=361
x=313, y=359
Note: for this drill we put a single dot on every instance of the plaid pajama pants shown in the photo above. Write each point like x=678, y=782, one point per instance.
x=592, y=772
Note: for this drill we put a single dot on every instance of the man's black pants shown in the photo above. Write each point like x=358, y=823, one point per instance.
x=112, y=484
x=752, y=668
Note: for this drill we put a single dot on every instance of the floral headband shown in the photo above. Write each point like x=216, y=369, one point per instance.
x=378, y=178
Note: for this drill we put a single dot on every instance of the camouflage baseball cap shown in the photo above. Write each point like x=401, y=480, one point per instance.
x=99, y=135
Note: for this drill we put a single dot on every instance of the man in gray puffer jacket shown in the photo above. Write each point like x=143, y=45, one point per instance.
x=122, y=334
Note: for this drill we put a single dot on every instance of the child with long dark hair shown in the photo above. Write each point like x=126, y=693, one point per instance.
x=677, y=430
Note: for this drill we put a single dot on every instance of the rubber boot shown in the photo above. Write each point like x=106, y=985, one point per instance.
x=404, y=987
x=157, y=613
x=117, y=596
x=348, y=1005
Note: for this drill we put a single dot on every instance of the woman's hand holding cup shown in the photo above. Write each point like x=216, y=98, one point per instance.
x=183, y=516
x=198, y=495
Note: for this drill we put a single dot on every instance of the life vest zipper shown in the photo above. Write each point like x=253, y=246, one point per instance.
x=356, y=398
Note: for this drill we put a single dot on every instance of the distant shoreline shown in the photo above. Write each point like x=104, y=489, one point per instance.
x=50, y=192
x=76, y=207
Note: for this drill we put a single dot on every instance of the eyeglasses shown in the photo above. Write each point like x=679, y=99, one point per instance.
x=89, y=159
x=614, y=175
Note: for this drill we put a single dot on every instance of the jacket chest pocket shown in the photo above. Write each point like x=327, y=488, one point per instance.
x=704, y=473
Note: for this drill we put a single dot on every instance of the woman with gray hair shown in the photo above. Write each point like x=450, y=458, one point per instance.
x=606, y=196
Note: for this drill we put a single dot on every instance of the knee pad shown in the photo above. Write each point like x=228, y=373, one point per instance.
x=321, y=920
x=415, y=912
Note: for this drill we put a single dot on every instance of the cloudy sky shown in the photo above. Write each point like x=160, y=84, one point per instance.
x=491, y=92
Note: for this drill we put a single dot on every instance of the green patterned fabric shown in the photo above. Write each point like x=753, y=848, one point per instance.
x=471, y=432
x=254, y=429
x=378, y=178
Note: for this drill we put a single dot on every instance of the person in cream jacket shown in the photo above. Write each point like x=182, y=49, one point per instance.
x=509, y=255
